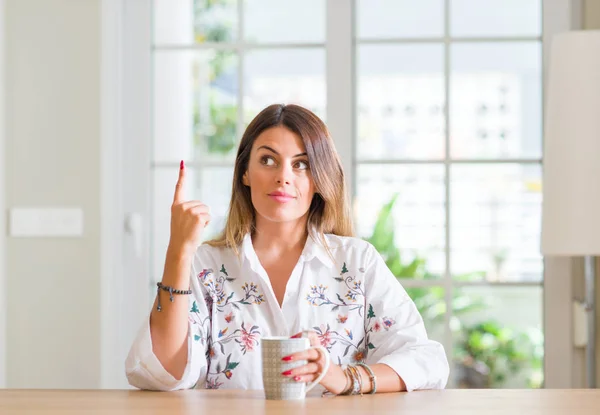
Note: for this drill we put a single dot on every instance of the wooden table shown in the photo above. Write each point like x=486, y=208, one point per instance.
x=459, y=402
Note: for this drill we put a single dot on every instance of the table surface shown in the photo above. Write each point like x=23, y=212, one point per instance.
x=451, y=401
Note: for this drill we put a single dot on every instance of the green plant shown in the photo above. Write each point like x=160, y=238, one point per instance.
x=493, y=352
x=210, y=20
x=217, y=129
x=431, y=300
x=485, y=353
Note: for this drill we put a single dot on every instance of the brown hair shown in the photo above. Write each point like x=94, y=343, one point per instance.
x=329, y=210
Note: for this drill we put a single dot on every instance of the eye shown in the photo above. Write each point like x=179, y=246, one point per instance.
x=301, y=164
x=267, y=161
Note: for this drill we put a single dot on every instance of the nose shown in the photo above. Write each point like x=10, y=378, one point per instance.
x=284, y=175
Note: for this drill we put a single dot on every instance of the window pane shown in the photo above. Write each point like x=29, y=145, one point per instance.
x=496, y=100
x=498, y=337
x=409, y=230
x=400, y=18
x=195, y=105
x=431, y=303
x=211, y=185
x=400, y=102
x=189, y=21
x=276, y=21
x=495, y=222
x=496, y=17
x=284, y=76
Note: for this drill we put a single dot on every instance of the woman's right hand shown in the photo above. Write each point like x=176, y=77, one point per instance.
x=188, y=220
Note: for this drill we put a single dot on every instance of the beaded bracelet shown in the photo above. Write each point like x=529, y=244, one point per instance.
x=371, y=376
x=171, y=291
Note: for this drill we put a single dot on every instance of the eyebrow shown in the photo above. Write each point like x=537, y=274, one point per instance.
x=273, y=151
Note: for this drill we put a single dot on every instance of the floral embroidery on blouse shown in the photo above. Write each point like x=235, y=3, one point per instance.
x=212, y=380
x=247, y=339
x=202, y=324
x=317, y=295
x=217, y=293
x=330, y=338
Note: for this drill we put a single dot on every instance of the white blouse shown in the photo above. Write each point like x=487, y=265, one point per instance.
x=355, y=304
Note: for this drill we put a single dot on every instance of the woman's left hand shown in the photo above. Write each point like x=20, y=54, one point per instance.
x=334, y=380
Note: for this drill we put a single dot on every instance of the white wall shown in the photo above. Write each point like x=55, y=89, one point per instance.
x=52, y=147
x=2, y=203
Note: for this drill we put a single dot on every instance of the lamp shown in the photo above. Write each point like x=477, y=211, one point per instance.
x=571, y=177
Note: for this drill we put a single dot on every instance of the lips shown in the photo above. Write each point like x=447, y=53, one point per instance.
x=281, y=194
x=281, y=197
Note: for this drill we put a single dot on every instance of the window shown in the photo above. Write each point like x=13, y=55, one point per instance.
x=216, y=65
x=448, y=167
x=445, y=154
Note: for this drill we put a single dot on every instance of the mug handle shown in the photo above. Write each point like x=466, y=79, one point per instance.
x=315, y=382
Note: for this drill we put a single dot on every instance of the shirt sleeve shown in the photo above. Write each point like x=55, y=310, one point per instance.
x=396, y=335
x=144, y=370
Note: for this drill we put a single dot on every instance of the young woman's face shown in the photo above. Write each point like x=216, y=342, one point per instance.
x=279, y=178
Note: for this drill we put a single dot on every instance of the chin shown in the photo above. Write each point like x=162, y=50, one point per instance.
x=280, y=218
x=280, y=215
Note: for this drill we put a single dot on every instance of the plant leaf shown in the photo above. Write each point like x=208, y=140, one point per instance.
x=371, y=312
x=347, y=349
x=360, y=342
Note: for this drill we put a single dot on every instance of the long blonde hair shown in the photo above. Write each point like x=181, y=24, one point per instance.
x=329, y=211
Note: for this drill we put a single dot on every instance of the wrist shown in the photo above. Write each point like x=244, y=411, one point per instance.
x=178, y=253
x=178, y=264
x=338, y=381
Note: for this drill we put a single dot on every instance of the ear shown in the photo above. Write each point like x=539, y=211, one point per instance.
x=245, y=179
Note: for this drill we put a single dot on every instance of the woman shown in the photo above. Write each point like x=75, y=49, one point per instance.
x=286, y=262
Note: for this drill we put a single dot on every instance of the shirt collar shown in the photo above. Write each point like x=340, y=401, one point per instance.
x=312, y=249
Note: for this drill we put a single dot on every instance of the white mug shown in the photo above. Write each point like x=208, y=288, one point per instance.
x=277, y=386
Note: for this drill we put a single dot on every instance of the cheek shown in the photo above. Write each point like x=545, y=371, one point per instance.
x=256, y=177
x=307, y=188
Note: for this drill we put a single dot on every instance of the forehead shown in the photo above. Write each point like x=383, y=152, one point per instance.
x=280, y=139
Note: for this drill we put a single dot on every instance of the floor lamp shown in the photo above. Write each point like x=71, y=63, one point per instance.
x=571, y=178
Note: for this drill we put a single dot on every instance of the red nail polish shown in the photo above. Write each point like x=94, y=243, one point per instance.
x=287, y=373
x=287, y=358
x=296, y=378
x=181, y=165
x=296, y=336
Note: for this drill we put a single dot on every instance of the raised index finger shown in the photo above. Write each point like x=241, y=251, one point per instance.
x=178, y=197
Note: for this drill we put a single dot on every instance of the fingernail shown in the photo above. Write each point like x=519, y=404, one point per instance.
x=287, y=373
x=296, y=336
x=296, y=378
x=287, y=358
x=181, y=165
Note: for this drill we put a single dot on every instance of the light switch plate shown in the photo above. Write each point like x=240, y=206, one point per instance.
x=46, y=222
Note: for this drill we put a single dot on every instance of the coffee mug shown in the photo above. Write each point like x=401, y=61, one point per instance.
x=277, y=386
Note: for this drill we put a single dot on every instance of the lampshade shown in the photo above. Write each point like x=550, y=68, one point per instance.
x=571, y=176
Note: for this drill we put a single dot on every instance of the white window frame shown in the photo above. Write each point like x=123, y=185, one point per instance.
x=126, y=157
